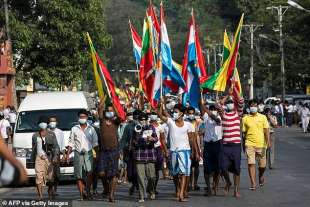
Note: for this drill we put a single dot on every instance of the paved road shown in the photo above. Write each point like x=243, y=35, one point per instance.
x=286, y=185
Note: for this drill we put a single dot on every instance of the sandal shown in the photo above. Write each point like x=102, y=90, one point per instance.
x=262, y=182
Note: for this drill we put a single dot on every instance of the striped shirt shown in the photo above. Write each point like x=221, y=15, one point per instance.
x=231, y=123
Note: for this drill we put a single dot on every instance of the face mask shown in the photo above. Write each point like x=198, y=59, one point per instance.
x=143, y=123
x=214, y=113
x=52, y=125
x=191, y=117
x=130, y=118
x=153, y=117
x=170, y=105
x=109, y=114
x=43, y=125
x=82, y=121
x=253, y=110
x=230, y=106
x=176, y=116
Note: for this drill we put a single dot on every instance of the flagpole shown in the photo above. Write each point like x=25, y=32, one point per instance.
x=160, y=54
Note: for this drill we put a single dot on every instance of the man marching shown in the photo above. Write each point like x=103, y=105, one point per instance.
x=182, y=148
x=231, y=157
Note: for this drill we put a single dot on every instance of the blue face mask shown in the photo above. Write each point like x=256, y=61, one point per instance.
x=253, y=109
x=43, y=125
x=109, y=114
x=153, y=117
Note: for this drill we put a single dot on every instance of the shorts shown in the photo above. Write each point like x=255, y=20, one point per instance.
x=83, y=163
x=231, y=158
x=181, y=162
x=108, y=162
x=212, y=157
x=254, y=153
x=44, y=171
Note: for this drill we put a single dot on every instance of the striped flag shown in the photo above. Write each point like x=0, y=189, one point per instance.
x=136, y=42
x=193, y=66
x=219, y=80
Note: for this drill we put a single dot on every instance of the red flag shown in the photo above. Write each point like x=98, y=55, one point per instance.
x=111, y=89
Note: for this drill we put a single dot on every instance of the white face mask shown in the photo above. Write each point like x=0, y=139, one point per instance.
x=176, y=116
x=43, y=125
x=230, y=106
x=109, y=114
x=214, y=113
x=191, y=117
x=253, y=109
x=154, y=117
x=82, y=121
x=52, y=124
x=143, y=123
x=170, y=105
x=130, y=118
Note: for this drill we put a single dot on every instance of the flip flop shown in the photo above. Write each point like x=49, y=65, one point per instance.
x=262, y=182
x=252, y=188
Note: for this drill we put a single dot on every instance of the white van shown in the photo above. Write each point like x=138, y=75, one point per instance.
x=63, y=105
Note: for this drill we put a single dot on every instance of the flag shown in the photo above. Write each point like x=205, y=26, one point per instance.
x=103, y=75
x=193, y=66
x=219, y=80
x=95, y=70
x=235, y=80
x=147, y=64
x=106, y=77
x=136, y=42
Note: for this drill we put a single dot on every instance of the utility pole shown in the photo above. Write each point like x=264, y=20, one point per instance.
x=253, y=28
x=281, y=11
x=214, y=53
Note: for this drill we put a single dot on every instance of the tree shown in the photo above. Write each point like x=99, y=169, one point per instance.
x=49, y=42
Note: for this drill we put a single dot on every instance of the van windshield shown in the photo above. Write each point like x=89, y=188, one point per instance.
x=28, y=120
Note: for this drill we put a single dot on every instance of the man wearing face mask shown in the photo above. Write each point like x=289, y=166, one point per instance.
x=83, y=139
x=145, y=156
x=191, y=118
x=45, y=151
x=212, y=146
x=160, y=145
x=231, y=156
x=255, y=128
x=126, y=146
x=61, y=143
x=182, y=148
x=109, y=149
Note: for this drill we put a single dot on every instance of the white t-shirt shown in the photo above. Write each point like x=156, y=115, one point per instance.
x=12, y=117
x=304, y=112
x=213, y=131
x=60, y=138
x=4, y=124
x=179, y=139
x=290, y=108
x=159, y=129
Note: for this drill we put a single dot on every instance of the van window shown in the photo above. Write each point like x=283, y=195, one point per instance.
x=28, y=120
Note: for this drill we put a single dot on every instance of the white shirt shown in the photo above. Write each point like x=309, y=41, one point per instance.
x=304, y=112
x=4, y=124
x=12, y=117
x=81, y=140
x=60, y=138
x=40, y=150
x=179, y=139
x=290, y=108
x=213, y=131
x=159, y=129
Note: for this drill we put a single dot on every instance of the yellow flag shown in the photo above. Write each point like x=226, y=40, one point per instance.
x=95, y=69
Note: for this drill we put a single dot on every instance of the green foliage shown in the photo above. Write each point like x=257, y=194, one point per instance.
x=49, y=42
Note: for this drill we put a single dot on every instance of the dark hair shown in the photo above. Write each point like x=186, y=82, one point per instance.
x=212, y=108
x=190, y=108
x=153, y=113
x=43, y=119
x=267, y=110
x=180, y=107
x=143, y=116
x=252, y=101
x=83, y=111
x=52, y=116
x=129, y=114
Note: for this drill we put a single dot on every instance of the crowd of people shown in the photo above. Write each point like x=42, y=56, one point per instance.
x=171, y=140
